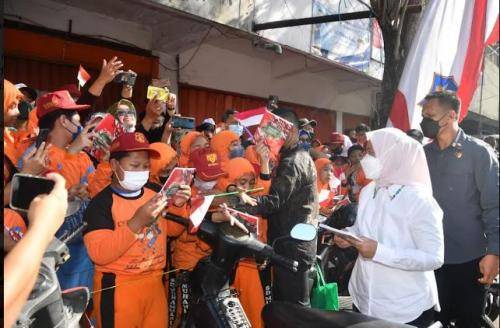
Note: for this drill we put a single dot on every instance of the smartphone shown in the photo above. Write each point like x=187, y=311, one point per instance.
x=127, y=78
x=25, y=188
x=42, y=136
x=183, y=122
x=272, y=102
x=161, y=93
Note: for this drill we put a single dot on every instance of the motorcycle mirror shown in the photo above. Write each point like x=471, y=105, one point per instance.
x=303, y=231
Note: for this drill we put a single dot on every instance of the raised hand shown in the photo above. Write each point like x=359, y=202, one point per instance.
x=110, y=69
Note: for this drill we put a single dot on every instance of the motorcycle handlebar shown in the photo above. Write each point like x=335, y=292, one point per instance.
x=287, y=263
x=255, y=245
x=284, y=262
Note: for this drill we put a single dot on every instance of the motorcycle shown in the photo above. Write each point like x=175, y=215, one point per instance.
x=215, y=304
x=47, y=305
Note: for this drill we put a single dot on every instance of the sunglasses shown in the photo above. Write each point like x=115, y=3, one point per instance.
x=124, y=112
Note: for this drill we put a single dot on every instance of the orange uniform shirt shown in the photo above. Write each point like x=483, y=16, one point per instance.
x=112, y=246
x=75, y=168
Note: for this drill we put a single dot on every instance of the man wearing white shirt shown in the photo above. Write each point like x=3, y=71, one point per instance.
x=400, y=225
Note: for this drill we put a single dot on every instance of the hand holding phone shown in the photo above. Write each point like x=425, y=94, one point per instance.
x=42, y=137
x=36, y=161
x=127, y=78
x=25, y=188
x=47, y=210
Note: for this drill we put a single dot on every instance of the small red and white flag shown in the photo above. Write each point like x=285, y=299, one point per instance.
x=251, y=117
x=199, y=207
x=83, y=76
x=446, y=54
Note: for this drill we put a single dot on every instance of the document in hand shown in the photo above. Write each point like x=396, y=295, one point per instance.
x=105, y=132
x=271, y=128
x=251, y=222
x=178, y=176
x=341, y=233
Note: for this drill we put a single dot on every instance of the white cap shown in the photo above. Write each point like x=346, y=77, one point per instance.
x=209, y=121
x=20, y=85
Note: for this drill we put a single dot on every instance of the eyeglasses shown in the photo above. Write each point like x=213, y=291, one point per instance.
x=125, y=112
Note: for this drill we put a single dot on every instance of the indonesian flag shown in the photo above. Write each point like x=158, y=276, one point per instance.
x=83, y=76
x=446, y=54
x=251, y=117
x=199, y=207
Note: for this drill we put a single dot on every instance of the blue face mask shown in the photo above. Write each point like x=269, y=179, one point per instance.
x=305, y=145
x=74, y=135
x=236, y=128
x=305, y=133
x=237, y=152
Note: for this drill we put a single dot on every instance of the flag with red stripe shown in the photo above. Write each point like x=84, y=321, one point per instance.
x=251, y=117
x=446, y=54
x=83, y=76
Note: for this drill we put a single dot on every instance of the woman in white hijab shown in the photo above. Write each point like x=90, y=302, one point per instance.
x=400, y=227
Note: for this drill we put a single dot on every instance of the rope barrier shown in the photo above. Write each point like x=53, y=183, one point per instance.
x=136, y=280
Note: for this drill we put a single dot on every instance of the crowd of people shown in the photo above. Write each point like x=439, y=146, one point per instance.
x=427, y=214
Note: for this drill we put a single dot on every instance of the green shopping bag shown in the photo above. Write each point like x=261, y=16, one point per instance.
x=324, y=296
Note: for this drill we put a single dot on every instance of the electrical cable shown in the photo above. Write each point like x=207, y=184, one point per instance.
x=192, y=56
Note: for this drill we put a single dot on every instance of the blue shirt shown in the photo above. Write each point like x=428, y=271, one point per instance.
x=465, y=184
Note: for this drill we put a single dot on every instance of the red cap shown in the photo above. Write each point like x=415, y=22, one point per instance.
x=72, y=89
x=132, y=141
x=207, y=164
x=337, y=138
x=52, y=101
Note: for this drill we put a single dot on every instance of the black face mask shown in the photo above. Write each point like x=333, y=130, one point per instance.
x=430, y=128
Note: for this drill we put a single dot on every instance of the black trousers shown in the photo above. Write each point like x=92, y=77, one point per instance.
x=461, y=296
x=293, y=287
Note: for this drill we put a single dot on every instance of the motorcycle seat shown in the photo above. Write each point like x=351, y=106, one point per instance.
x=282, y=314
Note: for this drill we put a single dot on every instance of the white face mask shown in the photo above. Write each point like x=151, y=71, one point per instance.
x=371, y=166
x=204, y=185
x=236, y=128
x=133, y=180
